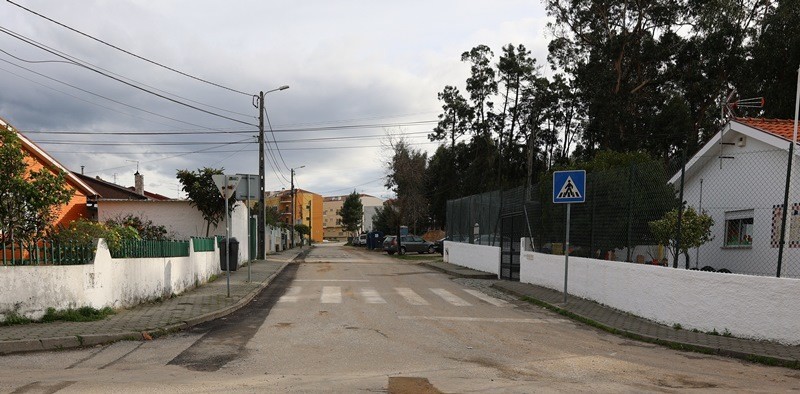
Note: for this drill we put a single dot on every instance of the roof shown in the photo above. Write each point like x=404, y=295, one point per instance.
x=151, y=195
x=783, y=128
x=773, y=132
x=108, y=190
x=49, y=161
x=343, y=197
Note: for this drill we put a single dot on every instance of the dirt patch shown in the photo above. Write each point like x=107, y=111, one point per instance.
x=408, y=385
x=325, y=267
x=283, y=325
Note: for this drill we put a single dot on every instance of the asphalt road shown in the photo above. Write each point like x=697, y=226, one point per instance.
x=347, y=321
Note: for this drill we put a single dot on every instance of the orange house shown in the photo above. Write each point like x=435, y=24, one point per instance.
x=84, y=199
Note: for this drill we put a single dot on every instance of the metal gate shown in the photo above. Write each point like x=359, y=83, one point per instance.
x=511, y=230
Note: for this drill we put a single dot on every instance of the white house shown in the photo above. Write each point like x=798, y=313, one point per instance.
x=739, y=178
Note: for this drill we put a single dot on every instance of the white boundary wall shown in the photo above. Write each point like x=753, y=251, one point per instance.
x=478, y=257
x=755, y=307
x=180, y=218
x=30, y=290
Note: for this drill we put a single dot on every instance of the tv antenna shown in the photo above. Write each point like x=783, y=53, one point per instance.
x=729, y=112
x=137, y=164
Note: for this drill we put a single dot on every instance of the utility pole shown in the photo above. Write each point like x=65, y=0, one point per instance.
x=262, y=218
x=292, y=191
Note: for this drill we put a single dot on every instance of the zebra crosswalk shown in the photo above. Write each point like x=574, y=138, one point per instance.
x=369, y=295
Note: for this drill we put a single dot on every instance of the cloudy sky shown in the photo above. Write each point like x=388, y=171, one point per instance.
x=357, y=71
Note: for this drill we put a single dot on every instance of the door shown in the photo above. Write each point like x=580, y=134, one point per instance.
x=511, y=230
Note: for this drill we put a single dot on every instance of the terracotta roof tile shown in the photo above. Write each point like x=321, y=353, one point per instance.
x=783, y=128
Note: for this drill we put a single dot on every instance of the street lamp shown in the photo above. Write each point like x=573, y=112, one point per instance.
x=262, y=219
x=293, y=206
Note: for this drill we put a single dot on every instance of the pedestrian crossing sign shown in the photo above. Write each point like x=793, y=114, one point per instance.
x=569, y=186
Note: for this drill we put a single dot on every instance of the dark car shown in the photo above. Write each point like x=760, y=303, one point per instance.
x=408, y=243
x=438, y=245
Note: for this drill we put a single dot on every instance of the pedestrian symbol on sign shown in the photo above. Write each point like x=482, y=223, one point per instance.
x=569, y=190
x=569, y=186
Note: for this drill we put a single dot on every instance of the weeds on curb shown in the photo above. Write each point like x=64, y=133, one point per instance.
x=82, y=314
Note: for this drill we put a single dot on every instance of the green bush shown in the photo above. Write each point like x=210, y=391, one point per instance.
x=84, y=231
x=143, y=227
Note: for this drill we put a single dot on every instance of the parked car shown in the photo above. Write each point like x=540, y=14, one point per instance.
x=408, y=243
x=359, y=240
x=438, y=245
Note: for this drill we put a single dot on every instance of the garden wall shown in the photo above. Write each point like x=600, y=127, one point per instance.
x=30, y=290
x=747, y=306
x=477, y=257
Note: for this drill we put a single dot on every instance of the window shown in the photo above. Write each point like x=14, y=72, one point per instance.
x=739, y=228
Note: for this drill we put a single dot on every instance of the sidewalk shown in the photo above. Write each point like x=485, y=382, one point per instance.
x=625, y=324
x=191, y=308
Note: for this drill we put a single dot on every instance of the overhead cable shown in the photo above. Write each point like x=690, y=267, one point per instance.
x=81, y=63
x=129, y=52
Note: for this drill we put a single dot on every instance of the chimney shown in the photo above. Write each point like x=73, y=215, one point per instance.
x=138, y=183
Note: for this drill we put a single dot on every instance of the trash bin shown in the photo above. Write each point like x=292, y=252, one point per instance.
x=233, y=255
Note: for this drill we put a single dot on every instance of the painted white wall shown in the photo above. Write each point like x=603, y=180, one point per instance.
x=478, y=257
x=753, y=177
x=748, y=306
x=30, y=290
x=180, y=218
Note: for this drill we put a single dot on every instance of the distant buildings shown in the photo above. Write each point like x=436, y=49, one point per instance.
x=308, y=209
x=332, y=222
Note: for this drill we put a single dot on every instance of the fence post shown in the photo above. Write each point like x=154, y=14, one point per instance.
x=630, y=213
x=680, y=211
x=785, y=208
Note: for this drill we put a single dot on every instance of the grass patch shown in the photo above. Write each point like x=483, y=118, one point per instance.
x=212, y=278
x=82, y=314
x=14, y=318
x=677, y=326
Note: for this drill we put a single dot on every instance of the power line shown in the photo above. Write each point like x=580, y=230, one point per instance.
x=292, y=141
x=97, y=95
x=275, y=139
x=172, y=157
x=130, y=79
x=81, y=63
x=231, y=151
x=288, y=130
x=128, y=52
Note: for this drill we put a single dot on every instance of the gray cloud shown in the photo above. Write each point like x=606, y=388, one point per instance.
x=346, y=62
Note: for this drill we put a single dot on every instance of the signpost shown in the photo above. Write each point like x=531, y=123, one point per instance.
x=568, y=187
x=226, y=185
x=247, y=189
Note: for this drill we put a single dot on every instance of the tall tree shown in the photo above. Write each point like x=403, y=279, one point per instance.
x=352, y=212
x=28, y=199
x=456, y=119
x=481, y=85
x=203, y=194
x=407, y=179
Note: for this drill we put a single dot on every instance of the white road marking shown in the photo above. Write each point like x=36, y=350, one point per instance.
x=331, y=280
x=331, y=295
x=410, y=296
x=488, y=298
x=292, y=295
x=450, y=297
x=371, y=296
x=482, y=319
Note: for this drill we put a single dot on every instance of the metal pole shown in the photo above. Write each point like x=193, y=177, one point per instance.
x=249, y=230
x=680, y=210
x=566, y=255
x=788, y=178
x=227, y=240
x=291, y=228
x=262, y=219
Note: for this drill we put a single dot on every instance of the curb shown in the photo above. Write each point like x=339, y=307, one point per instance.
x=227, y=310
x=481, y=275
x=77, y=341
x=676, y=345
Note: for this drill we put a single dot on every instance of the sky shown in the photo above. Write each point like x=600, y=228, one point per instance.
x=357, y=71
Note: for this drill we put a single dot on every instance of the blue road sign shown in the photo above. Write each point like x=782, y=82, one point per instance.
x=569, y=186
